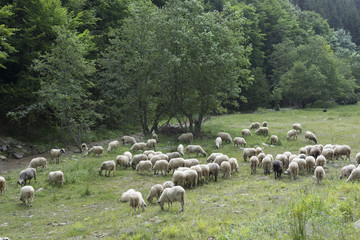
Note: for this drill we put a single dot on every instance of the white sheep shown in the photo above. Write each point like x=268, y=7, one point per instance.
x=191, y=178
x=357, y=158
x=191, y=162
x=255, y=125
x=151, y=143
x=161, y=166
x=155, y=136
x=56, y=153
x=270, y=156
x=155, y=191
x=148, y=152
x=342, y=150
x=297, y=127
x=136, y=201
x=262, y=131
x=26, y=175
x=245, y=132
x=225, y=168
x=221, y=158
x=266, y=164
x=287, y=153
x=301, y=163
x=346, y=171
x=180, y=149
x=194, y=149
x=96, y=150
x=84, y=147
x=273, y=139
x=310, y=163
x=249, y=152
x=239, y=141
x=143, y=166
x=214, y=170
x=138, y=146
x=170, y=195
x=254, y=162
x=205, y=172
x=355, y=175
x=172, y=155
x=284, y=159
x=291, y=134
x=137, y=158
x=328, y=153
x=128, y=154
x=27, y=195
x=108, y=166
x=179, y=178
x=113, y=145
x=311, y=136
x=315, y=151
x=265, y=124
x=260, y=157
x=186, y=137
x=2, y=185
x=122, y=161
x=234, y=165
x=218, y=142
x=175, y=163
x=38, y=162
x=56, y=177
x=212, y=157
x=198, y=170
x=319, y=174
x=128, y=139
x=303, y=150
x=320, y=161
x=293, y=170
x=258, y=150
x=125, y=197
x=168, y=184
x=225, y=136
x=156, y=158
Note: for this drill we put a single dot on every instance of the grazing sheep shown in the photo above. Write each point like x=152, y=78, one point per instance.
x=218, y=142
x=254, y=162
x=303, y=151
x=308, y=149
x=315, y=152
x=239, y=141
x=260, y=157
x=278, y=168
x=311, y=136
x=148, y=152
x=328, y=153
x=175, y=163
x=320, y=161
x=212, y=157
x=136, y=201
x=266, y=163
x=355, y=175
x=319, y=174
x=27, y=174
x=258, y=150
x=225, y=168
x=96, y=150
x=262, y=131
x=195, y=149
x=287, y=153
x=214, y=170
x=137, y=158
x=245, y=132
x=128, y=154
x=56, y=177
x=56, y=153
x=249, y=152
x=205, y=172
x=108, y=166
x=346, y=171
x=170, y=195
x=191, y=162
x=255, y=125
x=2, y=185
x=113, y=145
x=84, y=147
x=291, y=134
x=155, y=136
x=122, y=161
x=27, y=195
x=156, y=158
x=155, y=191
x=292, y=156
x=357, y=158
x=191, y=178
x=310, y=163
x=128, y=139
x=125, y=197
x=221, y=158
x=273, y=139
x=138, y=146
x=151, y=143
x=301, y=163
x=198, y=169
x=342, y=150
x=179, y=178
x=265, y=124
x=186, y=137
x=168, y=184
x=37, y=162
x=180, y=149
x=297, y=127
x=143, y=166
x=293, y=170
x=225, y=136
x=234, y=165
x=270, y=156
x=172, y=155
x=161, y=166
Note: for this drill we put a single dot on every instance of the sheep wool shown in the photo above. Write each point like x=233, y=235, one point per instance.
x=179, y=178
x=311, y=136
x=122, y=161
x=161, y=166
x=144, y=166
x=128, y=139
x=273, y=139
x=140, y=146
x=96, y=150
x=27, y=175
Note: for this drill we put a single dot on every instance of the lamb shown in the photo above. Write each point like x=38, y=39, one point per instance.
x=27, y=195
x=128, y=154
x=191, y=162
x=262, y=131
x=320, y=161
x=234, y=165
x=212, y=157
x=108, y=166
x=151, y=143
x=137, y=158
x=136, y=201
x=225, y=136
x=168, y=184
x=205, y=172
x=175, y=163
x=346, y=171
x=161, y=166
x=311, y=136
x=254, y=161
x=172, y=155
x=138, y=146
x=291, y=134
x=113, y=145
x=265, y=124
x=218, y=142
x=96, y=150
x=2, y=185
x=319, y=174
x=255, y=125
x=342, y=150
x=56, y=177
x=214, y=170
x=273, y=139
x=225, y=167
x=310, y=163
x=170, y=195
x=249, y=152
x=144, y=166
x=293, y=170
x=239, y=141
x=355, y=175
x=266, y=163
x=191, y=178
x=195, y=149
x=155, y=191
x=328, y=153
x=186, y=137
x=297, y=127
x=27, y=174
x=37, y=162
x=357, y=158
x=278, y=168
x=179, y=178
x=180, y=149
x=128, y=139
x=122, y=161
x=221, y=158
x=56, y=153
x=245, y=132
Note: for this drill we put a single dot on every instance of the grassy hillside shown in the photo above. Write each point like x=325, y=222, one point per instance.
x=243, y=207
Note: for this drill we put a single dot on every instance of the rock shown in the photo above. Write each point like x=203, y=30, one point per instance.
x=264, y=144
x=272, y=146
x=40, y=189
x=77, y=150
x=4, y=148
x=18, y=146
x=18, y=155
x=2, y=158
x=357, y=224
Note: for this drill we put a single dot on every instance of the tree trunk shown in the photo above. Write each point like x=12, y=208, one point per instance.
x=198, y=123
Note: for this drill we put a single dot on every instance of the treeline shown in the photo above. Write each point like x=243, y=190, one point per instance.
x=73, y=66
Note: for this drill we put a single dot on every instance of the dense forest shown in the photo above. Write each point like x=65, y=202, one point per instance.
x=73, y=66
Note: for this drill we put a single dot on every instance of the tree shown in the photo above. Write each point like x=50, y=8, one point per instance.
x=5, y=34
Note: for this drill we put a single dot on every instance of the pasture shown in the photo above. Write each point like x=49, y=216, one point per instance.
x=243, y=207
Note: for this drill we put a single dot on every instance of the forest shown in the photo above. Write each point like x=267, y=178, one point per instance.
x=74, y=66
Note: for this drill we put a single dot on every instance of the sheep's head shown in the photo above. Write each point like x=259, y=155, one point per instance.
x=20, y=182
x=62, y=150
x=100, y=171
x=204, y=154
x=161, y=204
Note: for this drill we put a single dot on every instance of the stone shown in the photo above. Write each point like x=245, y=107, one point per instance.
x=2, y=158
x=18, y=155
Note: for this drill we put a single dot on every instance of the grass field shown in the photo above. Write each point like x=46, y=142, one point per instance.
x=243, y=207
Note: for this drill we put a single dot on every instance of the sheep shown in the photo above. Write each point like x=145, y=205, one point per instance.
x=125, y=197
x=284, y=159
x=179, y=178
x=270, y=156
x=56, y=177
x=319, y=174
x=122, y=161
x=287, y=153
x=191, y=162
x=273, y=139
x=170, y=195
x=198, y=169
x=168, y=184
x=245, y=132
x=161, y=166
x=341, y=150
x=137, y=158
x=346, y=171
x=128, y=154
x=155, y=136
x=113, y=145
x=2, y=185
x=308, y=149
x=239, y=141
x=27, y=174
x=144, y=166
x=151, y=143
x=315, y=152
x=205, y=172
x=138, y=146
x=148, y=152
x=302, y=156
x=84, y=147
x=225, y=136
x=194, y=149
x=180, y=149
x=56, y=153
x=258, y=150
x=172, y=155
x=311, y=136
x=186, y=137
x=355, y=175
x=136, y=201
x=297, y=127
x=328, y=153
x=293, y=170
x=260, y=158
x=218, y=142
x=128, y=139
x=310, y=163
x=191, y=178
x=266, y=163
x=249, y=152
x=265, y=124
x=357, y=158
x=107, y=166
x=175, y=163
x=156, y=158
x=302, y=151
x=262, y=131
x=320, y=161
x=255, y=125
x=292, y=156
x=212, y=157
x=96, y=150
x=301, y=163
x=214, y=170
x=37, y=162
x=254, y=161
x=27, y=195
x=234, y=165
x=291, y=134
x=278, y=168
x=225, y=168
x=221, y=158
x=155, y=191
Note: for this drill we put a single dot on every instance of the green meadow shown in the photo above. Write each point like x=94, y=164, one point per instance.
x=244, y=207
